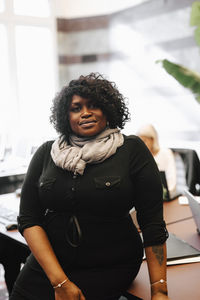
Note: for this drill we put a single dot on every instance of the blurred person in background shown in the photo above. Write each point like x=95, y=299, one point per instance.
x=164, y=157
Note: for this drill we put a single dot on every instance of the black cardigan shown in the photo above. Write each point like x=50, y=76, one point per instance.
x=91, y=212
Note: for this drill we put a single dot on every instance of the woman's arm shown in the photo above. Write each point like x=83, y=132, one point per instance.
x=156, y=261
x=41, y=248
x=148, y=202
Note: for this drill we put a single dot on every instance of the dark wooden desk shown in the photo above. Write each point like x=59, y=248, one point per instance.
x=174, y=212
x=183, y=280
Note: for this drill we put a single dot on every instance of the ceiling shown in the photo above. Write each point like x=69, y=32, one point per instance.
x=79, y=8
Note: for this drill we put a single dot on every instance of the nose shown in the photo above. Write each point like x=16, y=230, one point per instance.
x=86, y=112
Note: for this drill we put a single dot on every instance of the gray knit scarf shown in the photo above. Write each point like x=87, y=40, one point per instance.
x=81, y=151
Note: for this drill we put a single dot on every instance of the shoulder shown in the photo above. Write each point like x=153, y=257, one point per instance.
x=44, y=148
x=48, y=144
x=132, y=138
x=136, y=147
x=138, y=153
x=166, y=156
x=133, y=141
x=166, y=152
x=40, y=156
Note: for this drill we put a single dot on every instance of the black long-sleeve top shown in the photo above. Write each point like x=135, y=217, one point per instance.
x=92, y=211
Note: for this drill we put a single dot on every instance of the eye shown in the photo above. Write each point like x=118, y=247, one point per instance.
x=75, y=108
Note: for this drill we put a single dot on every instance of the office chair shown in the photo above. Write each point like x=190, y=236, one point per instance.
x=191, y=164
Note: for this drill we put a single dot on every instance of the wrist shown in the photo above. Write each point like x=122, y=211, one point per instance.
x=61, y=283
x=159, y=286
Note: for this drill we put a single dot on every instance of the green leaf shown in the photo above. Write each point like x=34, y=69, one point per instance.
x=184, y=76
x=195, y=14
x=197, y=35
x=198, y=98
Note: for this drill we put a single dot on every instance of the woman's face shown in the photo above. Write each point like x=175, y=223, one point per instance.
x=85, y=118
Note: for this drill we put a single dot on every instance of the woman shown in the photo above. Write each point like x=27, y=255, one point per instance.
x=76, y=198
x=164, y=157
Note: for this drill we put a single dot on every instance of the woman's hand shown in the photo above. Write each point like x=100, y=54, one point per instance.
x=69, y=291
x=160, y=296
x=41, y=248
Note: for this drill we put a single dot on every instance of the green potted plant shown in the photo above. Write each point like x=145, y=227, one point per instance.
x=186, y=77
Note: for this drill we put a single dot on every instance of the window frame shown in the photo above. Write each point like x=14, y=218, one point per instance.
x=10, y=21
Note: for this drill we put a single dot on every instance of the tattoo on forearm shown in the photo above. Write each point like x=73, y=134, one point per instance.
x=159, y=253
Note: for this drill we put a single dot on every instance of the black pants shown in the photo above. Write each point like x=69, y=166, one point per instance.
x=12, y=255
x=17, y=296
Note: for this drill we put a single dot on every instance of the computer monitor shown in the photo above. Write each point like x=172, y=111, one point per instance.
x=194, y=204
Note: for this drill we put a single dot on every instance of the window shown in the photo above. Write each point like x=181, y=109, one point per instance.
x=35, y=8
x=35, y=77
x=5, y=95
x=28, y=69
x=1, y=5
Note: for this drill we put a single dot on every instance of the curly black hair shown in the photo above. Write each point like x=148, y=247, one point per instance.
x=95, y=87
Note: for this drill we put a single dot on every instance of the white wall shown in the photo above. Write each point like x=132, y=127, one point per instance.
x=86, y=8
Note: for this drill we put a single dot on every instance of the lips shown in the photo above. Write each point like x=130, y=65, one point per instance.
x=87, y=122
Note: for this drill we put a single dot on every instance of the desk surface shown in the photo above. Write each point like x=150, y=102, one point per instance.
x=174, y=212
x=14, y=166
x=6, y=171
x=11, y=201
x=183, y=282
x=14, y=173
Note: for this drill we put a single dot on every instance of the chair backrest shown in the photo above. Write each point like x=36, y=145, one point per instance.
x=181, y=183
x=166, y=195
x=191, y=163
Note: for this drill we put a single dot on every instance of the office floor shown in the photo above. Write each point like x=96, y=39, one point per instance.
x=3, y=289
